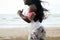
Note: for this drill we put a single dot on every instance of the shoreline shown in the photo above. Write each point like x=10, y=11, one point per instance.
x=22, y=33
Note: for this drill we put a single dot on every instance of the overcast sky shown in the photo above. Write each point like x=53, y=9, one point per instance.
x=12, y=6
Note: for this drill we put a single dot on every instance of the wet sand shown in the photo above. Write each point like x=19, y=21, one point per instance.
x=52, y=33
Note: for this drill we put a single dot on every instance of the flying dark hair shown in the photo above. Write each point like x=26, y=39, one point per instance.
x=40, y=10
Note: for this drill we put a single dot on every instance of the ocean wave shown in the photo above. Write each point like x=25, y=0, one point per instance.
x=14, y=19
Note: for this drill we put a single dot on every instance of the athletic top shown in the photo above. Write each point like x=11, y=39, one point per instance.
x=32, y=25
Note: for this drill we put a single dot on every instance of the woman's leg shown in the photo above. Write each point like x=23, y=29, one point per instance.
x=38, y=34
x=41, y=33
x=32, y=36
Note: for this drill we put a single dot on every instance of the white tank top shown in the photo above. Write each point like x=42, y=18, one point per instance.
x=33, y=26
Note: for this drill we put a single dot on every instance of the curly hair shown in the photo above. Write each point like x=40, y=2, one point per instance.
x=40, y=10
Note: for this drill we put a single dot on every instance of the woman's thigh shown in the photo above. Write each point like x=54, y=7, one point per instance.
x=38, y=34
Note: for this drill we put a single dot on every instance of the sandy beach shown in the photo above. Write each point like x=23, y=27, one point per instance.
x=52, y=33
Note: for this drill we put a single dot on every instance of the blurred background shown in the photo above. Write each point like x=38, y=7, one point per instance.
x=12, y=27
x=9, y=16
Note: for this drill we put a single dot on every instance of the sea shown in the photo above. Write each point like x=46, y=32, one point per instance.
x=15, y=21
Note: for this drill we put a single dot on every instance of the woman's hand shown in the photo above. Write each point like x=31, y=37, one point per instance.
x=22, y=16
x=20, y=12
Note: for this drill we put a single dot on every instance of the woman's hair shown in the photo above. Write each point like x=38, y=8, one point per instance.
x=40, y=10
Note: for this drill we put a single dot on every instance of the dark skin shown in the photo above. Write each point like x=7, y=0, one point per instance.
x=32, y=9
x=23, y=17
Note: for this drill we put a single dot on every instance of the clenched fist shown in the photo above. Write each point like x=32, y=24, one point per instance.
x=20, y=12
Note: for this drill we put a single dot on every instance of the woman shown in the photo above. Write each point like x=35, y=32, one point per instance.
x=34, y=17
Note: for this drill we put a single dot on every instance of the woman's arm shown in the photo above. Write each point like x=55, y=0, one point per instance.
x=23, y=17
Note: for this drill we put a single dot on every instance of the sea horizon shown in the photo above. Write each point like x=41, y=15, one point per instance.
x=12, y=20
